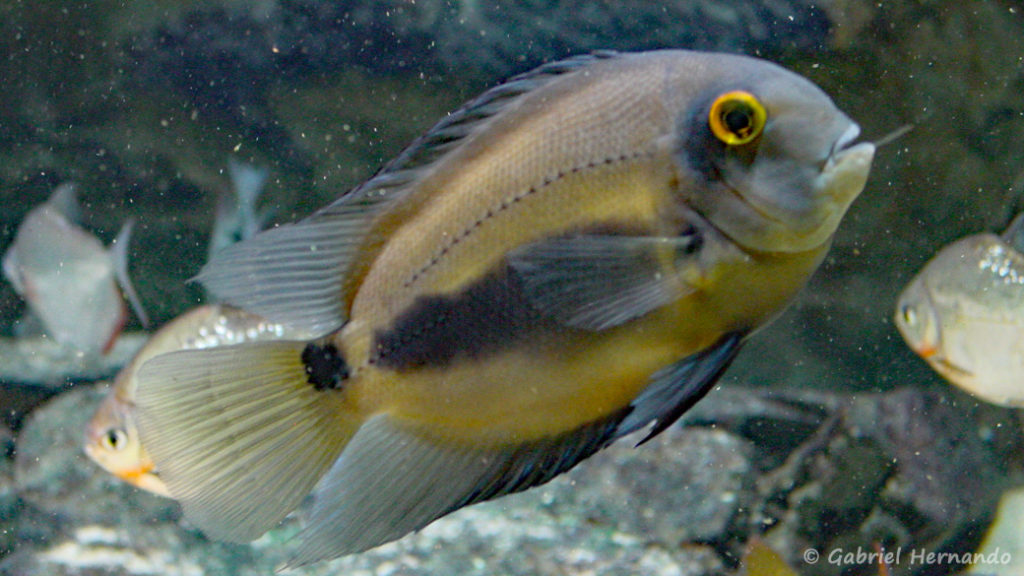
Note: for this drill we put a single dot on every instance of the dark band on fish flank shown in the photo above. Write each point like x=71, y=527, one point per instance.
x=489, y=316
x=325, y=368
x=508, y=202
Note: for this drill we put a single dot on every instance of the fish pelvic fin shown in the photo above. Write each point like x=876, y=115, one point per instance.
x=676, y=388
x=238, y=433
x=393, y=479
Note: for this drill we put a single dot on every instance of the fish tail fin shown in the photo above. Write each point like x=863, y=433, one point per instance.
x=248, y=182
x=238, y=434
x=119, y=255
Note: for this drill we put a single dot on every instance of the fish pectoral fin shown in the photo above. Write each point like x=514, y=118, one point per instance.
x=676, y=388
x=392, y=480
x=64, y=200
x=596, y=282
x=238, y=434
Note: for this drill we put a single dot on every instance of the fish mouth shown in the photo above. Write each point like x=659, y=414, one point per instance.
x=849, y=155
x=943, y=365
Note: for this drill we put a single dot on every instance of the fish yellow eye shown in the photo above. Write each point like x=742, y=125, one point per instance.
x=737, y=117
x=115, y=439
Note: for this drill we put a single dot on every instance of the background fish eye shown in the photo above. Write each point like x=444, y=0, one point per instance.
x=737, y=117
x=115, y=439
x=909, y=314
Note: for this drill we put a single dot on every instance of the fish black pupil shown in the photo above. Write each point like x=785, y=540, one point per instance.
x=114, y=438
x=738, y=121
x=325, y=368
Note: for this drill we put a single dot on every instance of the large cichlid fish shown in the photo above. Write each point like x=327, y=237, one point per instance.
x=575, y=255
x=964, y=314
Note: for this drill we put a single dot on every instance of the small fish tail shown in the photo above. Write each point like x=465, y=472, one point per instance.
x=119, y=254
x=239, y=434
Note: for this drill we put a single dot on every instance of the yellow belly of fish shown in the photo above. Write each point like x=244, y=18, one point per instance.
x=576, y=378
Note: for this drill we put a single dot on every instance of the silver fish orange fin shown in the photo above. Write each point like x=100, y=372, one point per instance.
x=238, y=434
x=675, y=389
x=1014, y=233
x=596, y=282
x=119, y=256
x=392, y=480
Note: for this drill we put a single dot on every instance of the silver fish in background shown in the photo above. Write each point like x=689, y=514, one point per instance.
x=70, y=281
x=237, y=217
x=112, y=437
x=964, y=314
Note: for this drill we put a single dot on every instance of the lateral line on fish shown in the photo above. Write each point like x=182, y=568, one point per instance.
x=455, y=239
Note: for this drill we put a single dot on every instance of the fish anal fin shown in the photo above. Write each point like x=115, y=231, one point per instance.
x=392, y=480
x=238, y=434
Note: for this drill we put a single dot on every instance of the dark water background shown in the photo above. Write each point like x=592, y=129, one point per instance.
x=143, y=103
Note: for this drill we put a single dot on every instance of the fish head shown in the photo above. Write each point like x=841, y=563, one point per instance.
x=767, y=156
x=112, y=441
x=917, y=320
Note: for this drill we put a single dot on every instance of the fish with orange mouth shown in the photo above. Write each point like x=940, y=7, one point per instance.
x=112, y=436
x=963, y=313
x=573, y=256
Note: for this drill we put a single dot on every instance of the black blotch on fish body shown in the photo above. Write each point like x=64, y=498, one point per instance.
x=325, y=367
x=491, y=315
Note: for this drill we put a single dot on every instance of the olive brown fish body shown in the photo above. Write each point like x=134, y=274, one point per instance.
x=112, y=437
x=964, y=314
x=574, y=256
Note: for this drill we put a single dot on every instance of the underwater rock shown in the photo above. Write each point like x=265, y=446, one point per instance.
x=903, y=468
x=623, y=511
x=872, y=468
x=53, y=475
x=44, y=362
x=689, y=487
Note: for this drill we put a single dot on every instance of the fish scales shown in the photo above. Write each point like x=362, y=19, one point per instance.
x=504, y=187
x=576, y=255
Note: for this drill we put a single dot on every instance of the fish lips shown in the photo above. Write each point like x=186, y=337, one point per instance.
x=805, y=212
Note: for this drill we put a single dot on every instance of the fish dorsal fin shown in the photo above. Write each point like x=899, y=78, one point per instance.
x=64, y=200
x=298, y=273
x=391, y=481
x=1014, y=233
x=676, y=388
